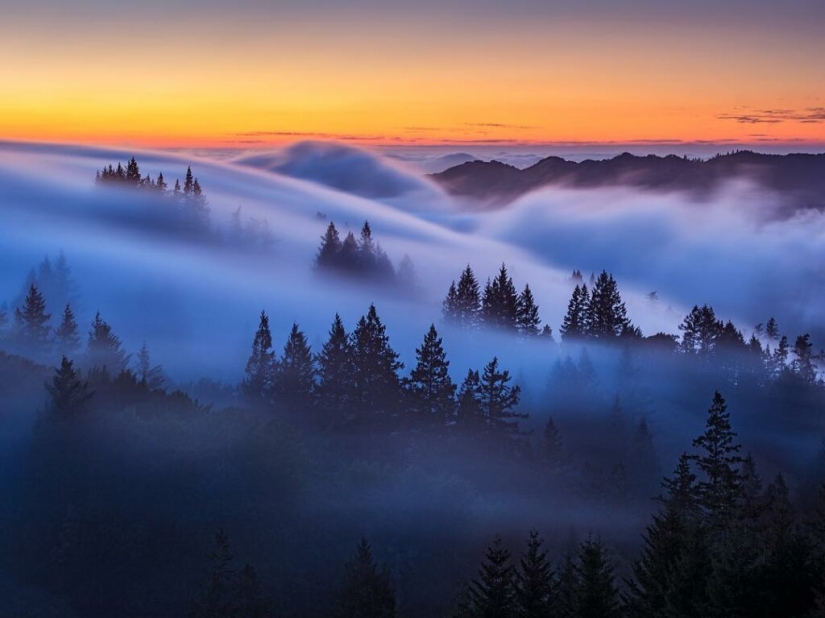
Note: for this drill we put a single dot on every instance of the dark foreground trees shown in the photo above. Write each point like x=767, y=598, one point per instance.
x=366, y=590
x=225, y=591
x=364, y=260
x=585, y=586
x=721, y=545
x=69, y=394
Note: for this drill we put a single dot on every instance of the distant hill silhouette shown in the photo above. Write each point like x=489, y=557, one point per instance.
x=800, y=177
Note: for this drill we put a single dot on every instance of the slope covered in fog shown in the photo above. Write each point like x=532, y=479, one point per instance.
x=571, y=435
x=140, y=273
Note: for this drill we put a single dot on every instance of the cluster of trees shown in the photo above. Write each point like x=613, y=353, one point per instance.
x=500, y=306
x=582, y=587
x=706, y=337
x=364, y=259
x=722, y=544
x=365, y=589
x=226, y=592
x=53, y=278
x=33, y=334
x=102, y=360
x=190, y=196
x=599, y=315
x=355, y=380
x=31, y=331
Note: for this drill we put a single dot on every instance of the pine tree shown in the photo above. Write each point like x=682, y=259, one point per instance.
x=69, y=394
x=161, y=184
x=450, y=306
x=257, y=386
x=468, y=312
x=32, y=321
x=751, y=502
x=682, y=493
x=366, y=248
x=382, y=269
x=778, y=363
x=468, y=411
x=596, y=595
x=365, y=592
x=789, y=576
x=499, y=305
x=803, y=366
x=196, y=211
x=62, y=288
x=643, y=463
x=406, y=278
x=497, y=398
x=147, y=374
x=534, y=581
x=565, y=603
x=189, y=183
x=133, y=172
x=719, y=461
x=335, y=370
x=575, y=326
x=294, y=376
x=552, y=447
x=216, y=598
x=67, y=335
x=493, y=593
x=731, y=339
x=376, y=385
x=701, y=331
x=250, y=600
x=348, y=257
x=671, y=575
x=328, y=252
x=528, y=313
x=430, y=387
x=772, y=329
x=606, y=313
x=103, y=348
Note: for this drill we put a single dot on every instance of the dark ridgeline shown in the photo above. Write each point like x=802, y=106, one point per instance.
x=800, y=177
x=364, y=260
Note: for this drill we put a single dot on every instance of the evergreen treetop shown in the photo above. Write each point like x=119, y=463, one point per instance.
x=258, y=383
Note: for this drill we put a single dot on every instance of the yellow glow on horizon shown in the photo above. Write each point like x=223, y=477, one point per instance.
x=255, y=89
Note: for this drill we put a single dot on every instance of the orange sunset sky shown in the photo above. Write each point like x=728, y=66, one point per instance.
x=257, y=73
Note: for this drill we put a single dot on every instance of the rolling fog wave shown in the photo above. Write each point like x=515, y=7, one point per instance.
x=173, y=290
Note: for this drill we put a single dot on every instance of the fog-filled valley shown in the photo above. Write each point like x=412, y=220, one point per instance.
x=290, y=352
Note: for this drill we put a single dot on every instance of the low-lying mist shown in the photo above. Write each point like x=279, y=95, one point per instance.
x=294, y=495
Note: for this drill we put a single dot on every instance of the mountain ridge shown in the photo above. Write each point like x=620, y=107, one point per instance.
x=801, y=177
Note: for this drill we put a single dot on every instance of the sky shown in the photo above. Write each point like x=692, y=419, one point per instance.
x=255, y=73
